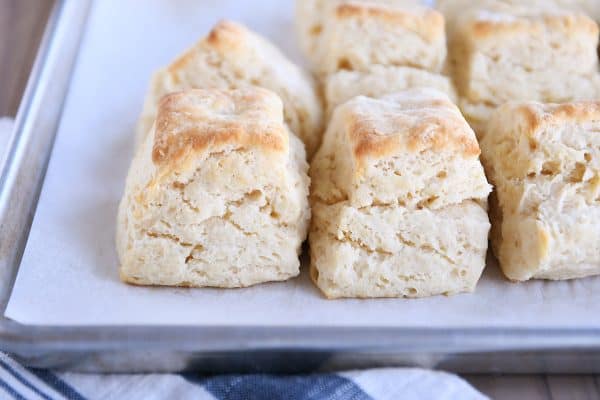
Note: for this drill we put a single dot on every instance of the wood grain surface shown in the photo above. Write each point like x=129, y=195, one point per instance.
x=537, y=387
x=22, y=24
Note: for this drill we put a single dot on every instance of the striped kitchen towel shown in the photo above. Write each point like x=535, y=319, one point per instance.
x=19, y=382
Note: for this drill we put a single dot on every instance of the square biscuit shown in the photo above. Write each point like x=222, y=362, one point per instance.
x=589, y=7
x=311, y=18
x=389, y=171
x=547, y=56
x=233, y=57
x=544, y=160
x=457, y=11
x=411, y=148
x=217, y=195
x=387, y=251
x=380, y=81
x=357, y=35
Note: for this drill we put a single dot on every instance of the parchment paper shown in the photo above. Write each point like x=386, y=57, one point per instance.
x=69, y=272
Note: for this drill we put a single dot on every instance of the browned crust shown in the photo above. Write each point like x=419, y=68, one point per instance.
x=226, y=33
x=182, y=61
x=421, y=130
x=537, y=115
x=569, y=23
x=183, y=125
x=225, y=36
x=428, y=22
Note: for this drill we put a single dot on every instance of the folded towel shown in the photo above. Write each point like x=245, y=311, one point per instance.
x=20, y=382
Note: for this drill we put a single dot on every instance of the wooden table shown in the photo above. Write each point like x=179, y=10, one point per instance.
x=21, y=26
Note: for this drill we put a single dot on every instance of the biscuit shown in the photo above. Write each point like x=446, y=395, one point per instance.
x=412, y=148
x=544, y=161
x=379, y=81
x=357, y=35
x=547, y=56
x=233, y=57
x=456, y=11
x=390, y=172
x=453, y=9
x=311, y=18
x=589, y=7
x=217, y=195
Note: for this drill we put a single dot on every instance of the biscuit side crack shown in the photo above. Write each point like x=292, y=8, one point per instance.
x=357, y=243
x=167, y=236
x=346, y=238
x=424, y=247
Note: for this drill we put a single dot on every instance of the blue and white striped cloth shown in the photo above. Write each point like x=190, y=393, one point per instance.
x=18, y=382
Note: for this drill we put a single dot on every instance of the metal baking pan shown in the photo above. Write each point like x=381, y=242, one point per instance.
x=223, y=349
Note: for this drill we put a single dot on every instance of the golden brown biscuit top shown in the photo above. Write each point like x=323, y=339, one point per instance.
x=536, y=116
x=486, y=24
x=225, y=37
x=226, y=33
x=205, y=120
x=411, y=121
x=426, y=21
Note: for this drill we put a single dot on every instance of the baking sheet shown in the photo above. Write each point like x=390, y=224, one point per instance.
x=69, y=271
